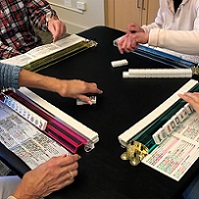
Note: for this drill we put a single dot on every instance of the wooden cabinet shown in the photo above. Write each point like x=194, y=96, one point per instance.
x=119, y=13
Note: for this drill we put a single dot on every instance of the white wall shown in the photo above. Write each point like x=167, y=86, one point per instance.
x=77, y=20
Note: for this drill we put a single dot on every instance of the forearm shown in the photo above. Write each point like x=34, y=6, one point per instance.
x=65, y=88
x=186, y=42
x=35, y=80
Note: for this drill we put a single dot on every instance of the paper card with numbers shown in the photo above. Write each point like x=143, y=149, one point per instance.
x=35, y=130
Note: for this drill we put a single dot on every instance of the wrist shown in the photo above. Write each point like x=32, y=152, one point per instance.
x=23, y=196
x=22, y=193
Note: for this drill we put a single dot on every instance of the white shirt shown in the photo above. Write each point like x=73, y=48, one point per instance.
x=176, y=31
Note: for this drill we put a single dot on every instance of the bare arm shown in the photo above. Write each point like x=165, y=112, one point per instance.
x=65, y=88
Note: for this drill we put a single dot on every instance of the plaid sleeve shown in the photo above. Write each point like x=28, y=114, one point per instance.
x=7, y=51
x=38, y=9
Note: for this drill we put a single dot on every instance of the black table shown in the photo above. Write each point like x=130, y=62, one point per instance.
x=102, y=174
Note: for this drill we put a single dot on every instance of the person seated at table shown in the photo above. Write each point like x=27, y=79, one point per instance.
x=17, y=34
x=58, y=171
x=176, y=28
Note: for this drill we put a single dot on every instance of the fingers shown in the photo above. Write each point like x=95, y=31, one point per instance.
x=68, y=171
x=192, y=99
x=71, y=175
x=86, y=88
x=130, y=42
x=127, y=44
x=48, y=177
x=67, y=160
x=57, y=28
x=77, y=89
x=132, y=27
x=58, y=32
x=85, y=98
x=92, y=88
x=67, y=179
x=121, y=44
x=62, y=164
x=89, y=88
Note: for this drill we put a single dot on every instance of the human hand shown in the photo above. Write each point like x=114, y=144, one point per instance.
x=65, y=88
x=48, y=177
x=78, y=89
x=57, y=28
x=192, y=99
x=133, y=27
x=130, y=41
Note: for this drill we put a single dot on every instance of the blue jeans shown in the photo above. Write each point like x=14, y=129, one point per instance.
x=192, y=192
